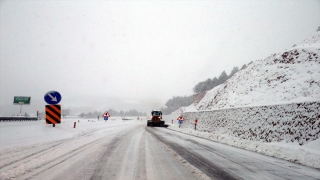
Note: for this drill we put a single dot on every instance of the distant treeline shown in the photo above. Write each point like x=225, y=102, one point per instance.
x=179, y=101
x=176, y=102
x=113, y=112
x=211, y=83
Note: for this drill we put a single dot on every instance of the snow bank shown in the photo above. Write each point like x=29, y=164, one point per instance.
x=308, y=154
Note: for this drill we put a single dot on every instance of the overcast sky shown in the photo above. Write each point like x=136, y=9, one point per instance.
x=136, y=55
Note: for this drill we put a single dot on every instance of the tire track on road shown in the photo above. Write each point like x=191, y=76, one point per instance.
x=54, y=162
x=30, y=154
x=198, y=161
x=98, y=171
x=141, y=172
x=24, y=167
x=105, y=169
x=34, y=151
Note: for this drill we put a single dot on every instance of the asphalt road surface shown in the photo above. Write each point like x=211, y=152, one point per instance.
x=139, y=152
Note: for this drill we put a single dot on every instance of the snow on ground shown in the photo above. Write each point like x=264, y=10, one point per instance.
x=23, y=133
x=282, y=78
x=17, y=135
x=20, y=140
x=287, y=77
x=308, y=154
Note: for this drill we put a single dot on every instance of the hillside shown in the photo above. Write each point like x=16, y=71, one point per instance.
x=271, y=107
x=286, y=77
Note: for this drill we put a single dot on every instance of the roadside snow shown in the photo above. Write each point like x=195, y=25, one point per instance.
x=29, y=145
x=308, y=155
x=23, y=133
x=282, y=78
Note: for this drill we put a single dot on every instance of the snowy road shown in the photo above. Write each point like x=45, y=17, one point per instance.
x=124, y=151
x=219, y=161
x=132, y=151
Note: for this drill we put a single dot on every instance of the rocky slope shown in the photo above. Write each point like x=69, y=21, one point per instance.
x=286, y=77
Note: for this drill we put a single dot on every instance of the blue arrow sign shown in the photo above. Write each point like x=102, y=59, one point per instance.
x=52, y=97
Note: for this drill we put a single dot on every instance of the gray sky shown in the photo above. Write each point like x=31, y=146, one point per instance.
x=136, y=55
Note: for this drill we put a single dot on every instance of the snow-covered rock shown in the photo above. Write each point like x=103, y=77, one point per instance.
x=282, y=78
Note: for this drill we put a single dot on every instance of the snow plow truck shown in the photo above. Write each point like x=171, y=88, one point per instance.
x=156, y=119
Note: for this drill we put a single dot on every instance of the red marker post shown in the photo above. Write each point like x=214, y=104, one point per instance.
x=195, y=124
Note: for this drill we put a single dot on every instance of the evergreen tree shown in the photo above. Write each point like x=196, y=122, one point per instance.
x=223, y=77
x=195, y=89
x=244, y=66
x=207, y=85
x=212, y=83
x=215, y=82
x=113, y=112
x=234, y=70
x=81, y=115
x=249, y=63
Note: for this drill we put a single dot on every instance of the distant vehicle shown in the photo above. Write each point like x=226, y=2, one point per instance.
x=156, y=119
x=125, y=118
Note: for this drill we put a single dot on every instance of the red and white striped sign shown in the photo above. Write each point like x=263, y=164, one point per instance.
x=106, y=114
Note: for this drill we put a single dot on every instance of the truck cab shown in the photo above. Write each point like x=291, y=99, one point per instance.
x=156, y=119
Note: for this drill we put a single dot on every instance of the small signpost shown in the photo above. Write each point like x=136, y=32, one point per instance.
x=21, y=100
x=53, y=110
x=180, y=120
x=106, y=116
x=53, y=114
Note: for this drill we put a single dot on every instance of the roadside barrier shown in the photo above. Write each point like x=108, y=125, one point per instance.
x=295, y=122
x=3, y=119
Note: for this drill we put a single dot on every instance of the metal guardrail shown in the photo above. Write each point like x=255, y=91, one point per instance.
x=18, y=119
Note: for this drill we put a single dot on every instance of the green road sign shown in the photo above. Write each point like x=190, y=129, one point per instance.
x=20, y=100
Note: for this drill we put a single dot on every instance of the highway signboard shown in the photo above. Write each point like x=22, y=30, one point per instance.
x=21, y=100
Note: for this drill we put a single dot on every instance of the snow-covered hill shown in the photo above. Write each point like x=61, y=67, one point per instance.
x=274, y=101
x=286, y=77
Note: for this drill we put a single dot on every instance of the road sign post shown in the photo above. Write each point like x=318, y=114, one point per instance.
x=180, y=120
x=195, y=124
x=106, y=116
x=52, y=97
x=53, y=114
x=21, y=100
x=53, y=110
